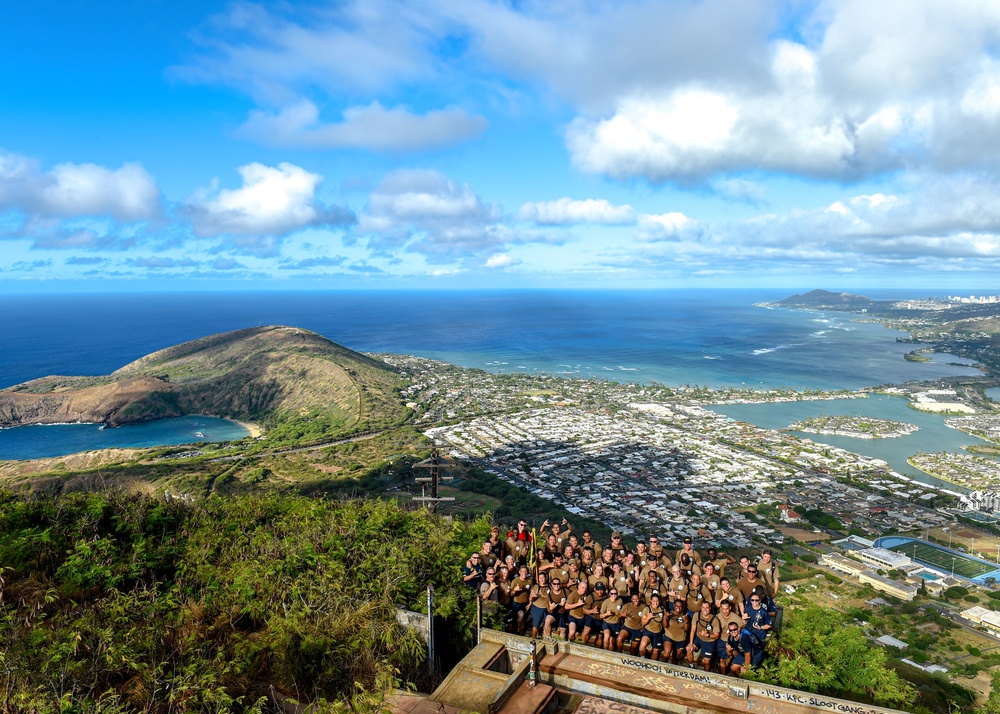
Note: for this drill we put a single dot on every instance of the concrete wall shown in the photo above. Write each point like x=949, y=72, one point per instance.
x=414, y=621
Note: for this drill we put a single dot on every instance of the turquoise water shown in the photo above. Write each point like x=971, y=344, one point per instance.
x=993, y=393
x=41, y=441
x=933, y=435
x=707, y=337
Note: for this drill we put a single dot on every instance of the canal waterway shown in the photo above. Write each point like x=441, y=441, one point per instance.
x=933, y=435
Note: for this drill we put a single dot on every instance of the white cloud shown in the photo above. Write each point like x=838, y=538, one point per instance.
x=352, y=46
x=364, y=127
x=429, y=213
x=667, y=227
x=272, y=201
x=568, y=211
x=128, y=193
x=500, y=260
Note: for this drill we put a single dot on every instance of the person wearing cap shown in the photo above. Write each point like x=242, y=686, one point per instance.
x=705, y=631
x=728, y=619
x=539, y=599
x=611, y=619
x=617, y=546
x=652, y=627
x=520, y=595
x=687, y=548
x=473, y=574
x=676, y=635
x=631, y=631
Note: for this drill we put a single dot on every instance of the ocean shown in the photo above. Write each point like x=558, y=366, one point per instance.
x=675, y=337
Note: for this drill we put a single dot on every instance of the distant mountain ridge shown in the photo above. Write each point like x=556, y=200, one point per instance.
x=253, y=374
x=823, y=298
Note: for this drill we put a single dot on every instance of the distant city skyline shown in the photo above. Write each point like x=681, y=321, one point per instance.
x=487, y=144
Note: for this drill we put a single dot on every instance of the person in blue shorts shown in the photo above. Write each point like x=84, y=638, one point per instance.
x=631, y=631
x=539, y=603
x=610, y=618
x=652, y=627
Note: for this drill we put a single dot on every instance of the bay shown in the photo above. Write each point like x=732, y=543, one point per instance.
x=46, y=440
x=933, y=435
x=675, y=337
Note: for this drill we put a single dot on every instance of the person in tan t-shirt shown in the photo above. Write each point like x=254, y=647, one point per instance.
x=677, y=626
x=631, y=625
x=611, y=619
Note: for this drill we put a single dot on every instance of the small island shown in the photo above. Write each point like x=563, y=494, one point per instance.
x=858, y=427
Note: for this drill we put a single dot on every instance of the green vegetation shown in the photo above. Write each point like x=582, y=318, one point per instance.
x=818, y=517
x=125, y=603
x=821, y=651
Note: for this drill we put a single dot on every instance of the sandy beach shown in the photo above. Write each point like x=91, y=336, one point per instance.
x=254, y=429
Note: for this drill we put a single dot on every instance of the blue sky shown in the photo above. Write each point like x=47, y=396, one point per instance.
x=478, y=143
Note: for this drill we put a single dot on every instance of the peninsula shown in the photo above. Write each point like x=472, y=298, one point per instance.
x=260, y=374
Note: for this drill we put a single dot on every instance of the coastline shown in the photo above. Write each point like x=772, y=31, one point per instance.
x=256, y=430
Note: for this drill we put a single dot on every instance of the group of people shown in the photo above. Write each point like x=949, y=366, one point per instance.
x=678, y=606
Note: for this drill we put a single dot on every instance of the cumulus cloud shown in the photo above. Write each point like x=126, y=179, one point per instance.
x=127, y=193
x=672, y=226
x=272, y=201
x=566, y=211
x=431, y=214
x=364, y=127
x=663, y=91
x=500, y=260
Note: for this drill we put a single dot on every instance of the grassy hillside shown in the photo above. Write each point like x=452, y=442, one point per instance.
x=282, y=376
x=122, y=603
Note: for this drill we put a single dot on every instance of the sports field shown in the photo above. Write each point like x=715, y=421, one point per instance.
x=941, y=559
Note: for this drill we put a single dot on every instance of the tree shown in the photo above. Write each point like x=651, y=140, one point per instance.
x=821, y=651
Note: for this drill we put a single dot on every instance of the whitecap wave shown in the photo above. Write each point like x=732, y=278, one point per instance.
x=628, y=369
x=711, y=356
